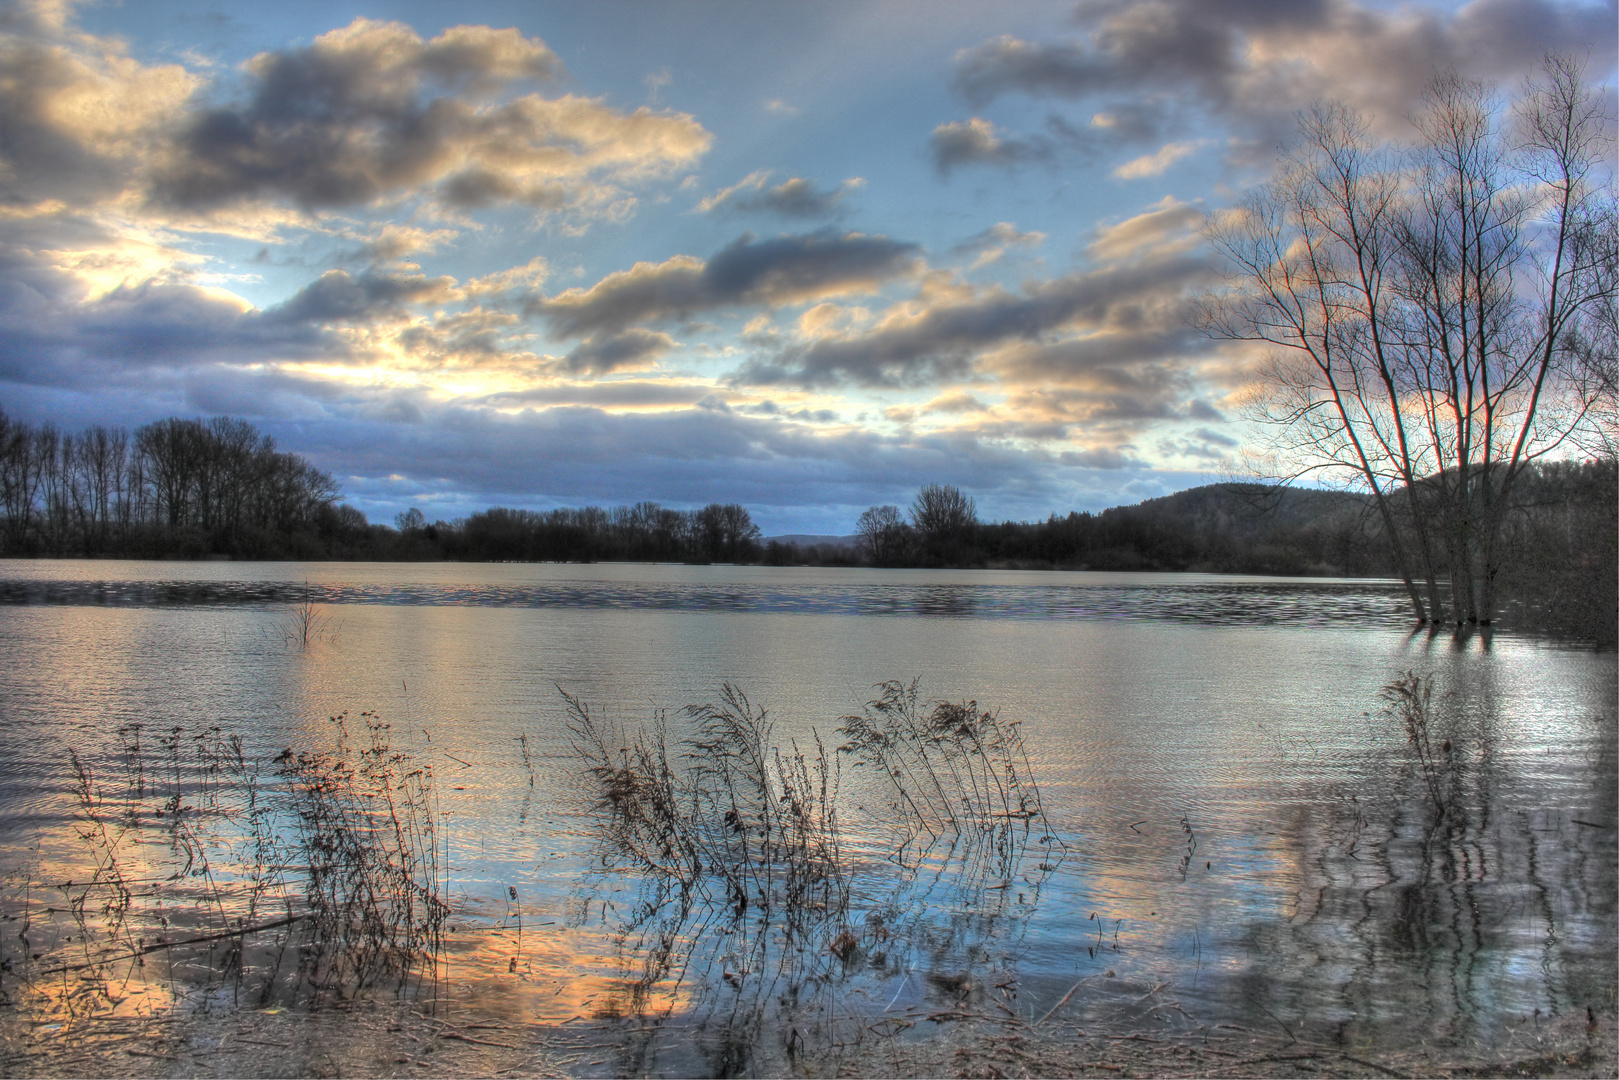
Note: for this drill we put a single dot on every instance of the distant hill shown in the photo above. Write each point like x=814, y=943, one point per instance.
x=1253, y=528
x=1240, y=528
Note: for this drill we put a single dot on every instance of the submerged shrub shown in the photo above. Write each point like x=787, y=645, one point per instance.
x=374, y=909
x=1409, y=701
x=951, y=767
x=746, y=814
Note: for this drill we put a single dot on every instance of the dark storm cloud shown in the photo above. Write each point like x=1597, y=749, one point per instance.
x=373, y=111
x=944, y=339
x=1148, y=68
x=794, y=198
x=747, y=273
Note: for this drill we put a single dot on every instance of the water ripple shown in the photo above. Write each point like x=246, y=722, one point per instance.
x=1353, y=604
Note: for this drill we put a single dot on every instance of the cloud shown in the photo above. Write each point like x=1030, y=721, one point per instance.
x=794, y=198
x=1154, y=164
x=988, y=246
x=952, y=403
x=76, y=113
x=370, y=147
x=747, y=273
x=1204, y=444
x=337, y=296
x=772, y=463
x=768, y=407
x=366, y=113
x=392, y=242
x=979, y=142
x=116, y=340
x=56, y=330
x=1170, y=227
x=942, y=337
x=1104, y=458
x=632, y=349
x=619, y=393
x=372, y=112
x=106, y=164
x=1156, y=66
x=655, y=82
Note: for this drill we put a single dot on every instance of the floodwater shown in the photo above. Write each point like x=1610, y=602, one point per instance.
x=1227, y=809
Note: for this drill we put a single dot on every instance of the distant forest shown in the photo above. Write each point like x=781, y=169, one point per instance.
x=183, y=488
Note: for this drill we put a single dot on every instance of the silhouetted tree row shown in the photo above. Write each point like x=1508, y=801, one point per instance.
x=1246, y=528
x=176, y=487
x=645, y=532
x=194, y=488
x=1558, y=550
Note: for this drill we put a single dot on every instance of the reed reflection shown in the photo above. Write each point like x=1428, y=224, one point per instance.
x=753, y=912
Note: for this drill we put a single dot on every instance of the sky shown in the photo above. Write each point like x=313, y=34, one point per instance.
x=802, y=256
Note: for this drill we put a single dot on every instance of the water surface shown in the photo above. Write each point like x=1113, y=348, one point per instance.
x=1239, y=820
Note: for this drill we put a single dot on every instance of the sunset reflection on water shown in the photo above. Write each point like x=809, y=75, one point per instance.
x=1234, y=817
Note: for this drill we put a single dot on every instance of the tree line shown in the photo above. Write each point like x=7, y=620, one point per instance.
x=177, y=487
x=645, y=532
x=195, y=488
x=1225, y=528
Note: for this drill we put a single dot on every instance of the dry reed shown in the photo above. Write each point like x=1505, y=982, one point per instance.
x=1409, y=701
x=224, y=872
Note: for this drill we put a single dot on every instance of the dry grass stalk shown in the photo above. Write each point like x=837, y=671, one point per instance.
x=1409, y=700
x=373, y=890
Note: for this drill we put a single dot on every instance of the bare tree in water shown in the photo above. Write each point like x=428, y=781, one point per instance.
x=1440, y=314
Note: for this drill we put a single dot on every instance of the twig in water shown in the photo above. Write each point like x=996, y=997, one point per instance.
x=1276, y=1018
x=1064, y=1000
x=240, y=932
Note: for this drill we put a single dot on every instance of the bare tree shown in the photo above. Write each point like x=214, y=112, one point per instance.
x=727, y=531
x=883, y=533
x=943, y=514
x=1435, y=312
